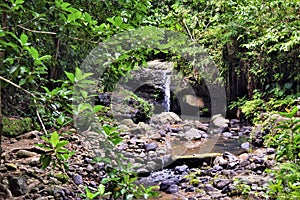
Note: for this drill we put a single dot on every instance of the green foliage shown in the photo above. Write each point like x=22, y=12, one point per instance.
x=121, y=179
x=251, y=108
x=260, y=102
x=112, y=134
x=13, y=126
x=285, y=137
x=56, y=153
x=254, y=40
x=55, y=106
x=145, y=107
x=286, y=184
x=121, y=183
x=100, y=192
x=241, y=187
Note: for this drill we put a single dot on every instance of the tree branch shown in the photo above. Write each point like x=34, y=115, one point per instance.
x=188, y=30
x=34, y=31
x=34, y=99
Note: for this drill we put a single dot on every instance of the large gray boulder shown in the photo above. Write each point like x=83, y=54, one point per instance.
x=165, y=118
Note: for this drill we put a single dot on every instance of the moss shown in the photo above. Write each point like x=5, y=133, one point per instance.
x=145, y=108
x=194, y=182
x=16, y=126
x=61, y=177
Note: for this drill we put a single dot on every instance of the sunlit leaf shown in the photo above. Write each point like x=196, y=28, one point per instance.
x=54, y=139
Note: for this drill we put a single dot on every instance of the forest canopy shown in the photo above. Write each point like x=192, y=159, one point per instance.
x=255, y=44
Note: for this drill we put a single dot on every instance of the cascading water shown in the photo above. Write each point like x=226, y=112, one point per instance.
x=167, y=92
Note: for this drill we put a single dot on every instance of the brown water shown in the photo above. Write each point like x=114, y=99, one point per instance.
x=212, y=144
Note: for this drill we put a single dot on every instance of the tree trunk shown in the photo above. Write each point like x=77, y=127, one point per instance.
x=2, y=57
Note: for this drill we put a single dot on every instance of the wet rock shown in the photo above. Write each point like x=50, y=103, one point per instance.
x=151, y=165
x=252, y=166
x=127, y=122
x=156, y=136
x=192, y=134
x=209, y=188
x=165, y=184
x=77, y=179
x=220, y=161
x=232, y=159
x=195, y=160
x=219, y=121
x=137, y=131
x=142, y=171
x=243, y=157
x=190, y=189
x=172, y=189
x=18, y=186
x=221, y=183
x=223, y=129
x=11, y=166
x=234, y=122
x=246, y=130
x=167, y=158
x=89, y=168
x=218, y=168
x=151, y=146
x=227, y=135
x=246, y=146
x=228, y=172
x=270, y=151
x=181, y=169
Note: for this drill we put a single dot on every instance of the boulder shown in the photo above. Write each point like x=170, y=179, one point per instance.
x=165, y=118
x=16, y=126
x=219, y=121
x=18, y=186
x=193, y=134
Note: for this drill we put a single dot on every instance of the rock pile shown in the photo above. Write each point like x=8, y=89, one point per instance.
x=160, y=150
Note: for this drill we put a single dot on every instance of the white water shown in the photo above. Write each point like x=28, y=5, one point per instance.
x=167, y=88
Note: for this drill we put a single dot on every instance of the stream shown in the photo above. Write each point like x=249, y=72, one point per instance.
x=188, y=156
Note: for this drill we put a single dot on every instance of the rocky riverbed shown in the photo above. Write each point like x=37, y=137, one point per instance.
x=186, y=158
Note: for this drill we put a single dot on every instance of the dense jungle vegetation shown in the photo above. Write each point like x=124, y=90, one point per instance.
x=255, y=45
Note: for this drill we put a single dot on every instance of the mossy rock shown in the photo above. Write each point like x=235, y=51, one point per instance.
x=16, y=126
x=126, y=104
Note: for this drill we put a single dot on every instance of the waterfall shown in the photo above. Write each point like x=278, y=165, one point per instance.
x=167, y=92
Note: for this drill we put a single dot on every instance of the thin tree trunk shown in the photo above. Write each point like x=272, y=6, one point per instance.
x=2, y=56
x=1, y=124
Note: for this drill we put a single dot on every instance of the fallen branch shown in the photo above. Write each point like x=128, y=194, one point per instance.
x=34, y=99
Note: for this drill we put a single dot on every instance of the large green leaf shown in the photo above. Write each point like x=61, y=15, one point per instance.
x=23, y=39
x=54, y=139
x=70, y=76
